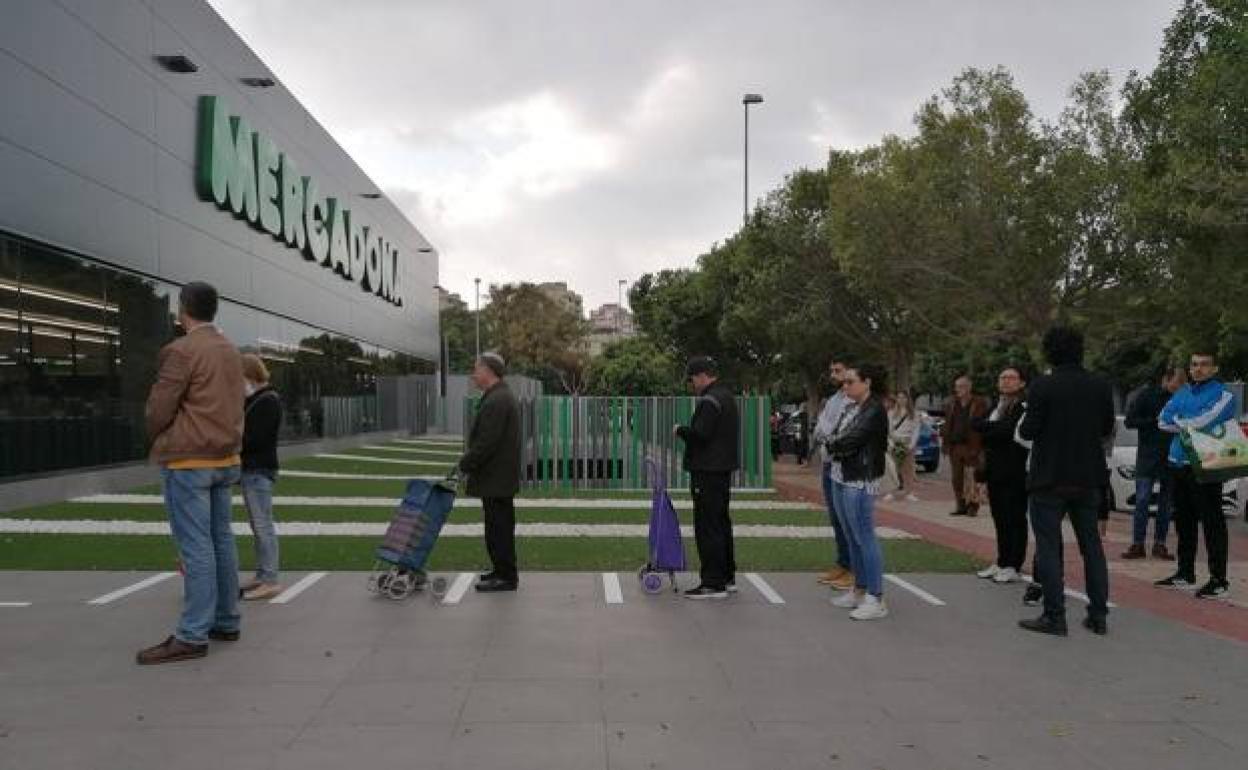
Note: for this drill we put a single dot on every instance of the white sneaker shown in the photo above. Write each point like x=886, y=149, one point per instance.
x=888, y=498
x=988, y=572
x=871, y=608
x=912, y=498
x=846, y=600
x=1007, y=575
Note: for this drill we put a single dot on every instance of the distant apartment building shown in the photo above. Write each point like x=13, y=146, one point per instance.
x=559, y=293
x=607, y=324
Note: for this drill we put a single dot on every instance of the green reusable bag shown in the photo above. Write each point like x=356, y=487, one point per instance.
x=1217, y=453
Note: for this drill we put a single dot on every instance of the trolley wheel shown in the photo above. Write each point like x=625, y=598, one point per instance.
x=437, y=587
x=652, y=582
x=400, y=585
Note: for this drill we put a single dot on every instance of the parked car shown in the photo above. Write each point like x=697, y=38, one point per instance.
x=1122, y=477
x=927, y=449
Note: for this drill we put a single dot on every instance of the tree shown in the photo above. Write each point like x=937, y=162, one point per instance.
x=459, y=328
x=634, y=366
x=537, y=336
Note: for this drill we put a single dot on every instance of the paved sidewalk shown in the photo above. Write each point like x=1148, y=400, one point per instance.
x=1130, y=581
x=561, y=675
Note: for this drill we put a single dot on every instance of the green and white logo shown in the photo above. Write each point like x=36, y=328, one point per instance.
x=243, y=172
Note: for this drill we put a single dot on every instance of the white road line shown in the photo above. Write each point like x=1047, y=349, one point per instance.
x=139, y=586
x=373, y=501
x=411, y=451
x=14, y=604
x=459, y=588
x=354, y=476
x=763, y=588
x=1072, y=593
x=611, y=588
x=287, y=596
x=389, y=460
x=912, y=588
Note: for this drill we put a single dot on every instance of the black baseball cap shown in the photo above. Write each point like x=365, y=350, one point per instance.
x=701, y=365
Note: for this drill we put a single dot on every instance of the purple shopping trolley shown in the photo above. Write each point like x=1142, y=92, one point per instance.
x=667, y=550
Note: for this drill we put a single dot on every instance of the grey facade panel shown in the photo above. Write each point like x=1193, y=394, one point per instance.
x=100, y=159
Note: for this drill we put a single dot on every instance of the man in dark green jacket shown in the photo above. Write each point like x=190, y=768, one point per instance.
x=492, y=465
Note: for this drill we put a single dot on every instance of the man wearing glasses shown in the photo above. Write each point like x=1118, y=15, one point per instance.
x=1201, y=404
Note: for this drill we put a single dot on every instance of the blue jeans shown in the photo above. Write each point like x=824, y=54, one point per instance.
x=198, y=502
x=1143, y=494
x=856, y=507
x=838, y=531
x=258, y=497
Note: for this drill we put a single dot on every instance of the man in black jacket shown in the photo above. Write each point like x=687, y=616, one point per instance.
x=1150, y=461
x=1069, y=415
x=711, y=457
x=492, y=465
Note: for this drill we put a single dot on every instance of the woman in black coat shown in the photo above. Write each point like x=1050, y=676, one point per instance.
x=1005, y=471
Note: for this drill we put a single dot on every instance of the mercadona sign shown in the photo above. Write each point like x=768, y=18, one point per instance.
x=242, y=171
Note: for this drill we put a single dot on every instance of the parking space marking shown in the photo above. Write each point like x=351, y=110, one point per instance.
x=459, y=588
x=912, y=588
x=611, y=588
x=1072, y=593
x=287, y=596
x=139, y=586
x=14, y=604
x=764, y=588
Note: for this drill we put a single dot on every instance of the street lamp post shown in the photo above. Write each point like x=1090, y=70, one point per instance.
x=478, y=314
x=746, y=101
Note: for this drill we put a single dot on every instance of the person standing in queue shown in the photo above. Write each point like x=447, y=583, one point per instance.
x=492, y=465
x=710, y=458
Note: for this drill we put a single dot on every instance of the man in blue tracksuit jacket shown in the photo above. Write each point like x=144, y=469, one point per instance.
x=1200, y=405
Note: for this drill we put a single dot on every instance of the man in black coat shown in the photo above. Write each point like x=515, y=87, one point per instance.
x=1151, y=451
x=711, y=457
x=1070, y=413
x=492, y=465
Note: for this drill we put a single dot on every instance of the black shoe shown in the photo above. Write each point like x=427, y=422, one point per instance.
x=496, y=585
x=706, y=592
x=1214, y=589
x=1033, y=595
x=1045, y=624
x=731, y=586
x=1178, y=582
x=491, y=575
x=217, y=635
x=1097, y=626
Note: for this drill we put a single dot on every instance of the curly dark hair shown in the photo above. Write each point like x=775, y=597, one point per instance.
x=1063, y=345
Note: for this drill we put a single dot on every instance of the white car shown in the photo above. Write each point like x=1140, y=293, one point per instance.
x=1122, y=478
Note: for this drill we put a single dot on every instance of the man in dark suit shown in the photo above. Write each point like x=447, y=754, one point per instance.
x=492, y=465
x=1070, y=413
x=711, y=441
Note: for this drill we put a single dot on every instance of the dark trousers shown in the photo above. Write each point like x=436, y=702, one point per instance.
x=713, y=529
x=500, y=535
x=1198, y=505
x=1048, y=508
x=1008, y=500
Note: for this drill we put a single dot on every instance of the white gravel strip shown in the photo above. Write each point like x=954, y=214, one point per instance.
x=356, y=476
x=410, y=450
x=377, y=529
x=562, y=503
x=374, y=459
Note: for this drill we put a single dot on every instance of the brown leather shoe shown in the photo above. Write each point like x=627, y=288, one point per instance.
x=171, y=650
x=1161, y=552
x=832, y=575
x=1136, y=551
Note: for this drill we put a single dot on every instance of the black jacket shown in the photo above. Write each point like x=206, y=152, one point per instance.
x=1070, y=414
x=262, y=419
x=1154, y=444
x=1005, y=460
x=860, y=446
x=492, y=461
x=711, y=436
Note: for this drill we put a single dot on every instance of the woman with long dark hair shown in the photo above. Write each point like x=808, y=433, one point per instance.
x=857, y=450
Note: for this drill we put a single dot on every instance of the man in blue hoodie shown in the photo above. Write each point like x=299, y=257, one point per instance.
x=1200, y=405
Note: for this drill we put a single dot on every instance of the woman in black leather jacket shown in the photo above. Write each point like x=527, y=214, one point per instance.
x=1005, y=471
x=857, y=450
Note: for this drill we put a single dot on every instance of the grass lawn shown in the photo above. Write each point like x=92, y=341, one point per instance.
x=125, y=552
x=122, y=512
x=334, y=465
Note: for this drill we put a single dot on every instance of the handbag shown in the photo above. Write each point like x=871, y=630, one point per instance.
x=1216, y=453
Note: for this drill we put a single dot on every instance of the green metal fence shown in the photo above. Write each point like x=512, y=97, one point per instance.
x=571, y=442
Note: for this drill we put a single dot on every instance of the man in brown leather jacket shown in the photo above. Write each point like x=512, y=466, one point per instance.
x=195, y=420
x=962, y=444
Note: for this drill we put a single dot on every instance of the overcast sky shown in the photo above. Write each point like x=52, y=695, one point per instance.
x=596, y=140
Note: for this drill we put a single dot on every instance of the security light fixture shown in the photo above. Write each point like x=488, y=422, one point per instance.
x=258, y=82
x=177, y=63
x=424, y=250
x=372, y=196
x=752, y=99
